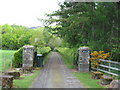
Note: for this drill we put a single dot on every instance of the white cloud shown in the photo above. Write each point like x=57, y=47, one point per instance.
x=25, y=12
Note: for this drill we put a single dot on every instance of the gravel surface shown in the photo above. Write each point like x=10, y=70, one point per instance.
x=55, y=75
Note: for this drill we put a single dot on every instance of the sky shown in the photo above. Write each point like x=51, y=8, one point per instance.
x=26, y=12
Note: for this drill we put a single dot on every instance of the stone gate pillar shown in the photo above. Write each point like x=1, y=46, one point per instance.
x=83, y=62
x=28, y=57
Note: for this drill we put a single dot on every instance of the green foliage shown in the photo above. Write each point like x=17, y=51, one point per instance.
x=91, y=24
x=0, y=36
x=9, y=41
x=14, y=37
x=115, y=52
x=5, y=55
x=54, y=42
x=37, y=38
x=17, y=61
x=46, y=57
x=6, y=29
x=67, y=56
x=42, y=38
x=43, y=50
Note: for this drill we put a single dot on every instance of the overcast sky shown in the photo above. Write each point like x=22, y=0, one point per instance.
x=25, y=12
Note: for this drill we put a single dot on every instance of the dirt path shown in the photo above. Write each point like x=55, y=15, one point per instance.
x=55, y=75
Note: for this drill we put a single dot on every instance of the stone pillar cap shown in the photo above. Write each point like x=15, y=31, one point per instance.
x=28, y=46
x=84, y=48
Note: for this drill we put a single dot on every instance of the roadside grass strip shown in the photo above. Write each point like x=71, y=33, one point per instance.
x=25, y=80
x=87, y=81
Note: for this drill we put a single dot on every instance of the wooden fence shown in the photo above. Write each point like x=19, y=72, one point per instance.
x=109, y=67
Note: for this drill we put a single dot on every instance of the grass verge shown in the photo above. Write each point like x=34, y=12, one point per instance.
x=67, y=56
x=85, y=79
x=25, y=81
x=46, y=58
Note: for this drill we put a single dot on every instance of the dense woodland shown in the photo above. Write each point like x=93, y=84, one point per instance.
x=96, y=25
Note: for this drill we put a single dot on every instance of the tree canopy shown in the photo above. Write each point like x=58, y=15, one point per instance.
x=91, y=24
x=14, y=37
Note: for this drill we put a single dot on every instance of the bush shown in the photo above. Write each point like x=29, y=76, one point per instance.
x=96, y=55
x=43, y=50
x=17, y=61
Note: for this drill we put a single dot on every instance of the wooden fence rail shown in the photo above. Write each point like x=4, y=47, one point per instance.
x=109, y=67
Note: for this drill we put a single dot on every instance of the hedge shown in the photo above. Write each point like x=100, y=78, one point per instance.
x=17, y=61
x=43, y=50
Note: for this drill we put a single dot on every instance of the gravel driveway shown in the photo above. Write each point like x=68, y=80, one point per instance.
x=55, y=75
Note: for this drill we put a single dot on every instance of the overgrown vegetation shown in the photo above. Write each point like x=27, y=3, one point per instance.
x=17, y=60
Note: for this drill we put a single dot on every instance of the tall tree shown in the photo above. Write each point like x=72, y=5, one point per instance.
x=89, y=23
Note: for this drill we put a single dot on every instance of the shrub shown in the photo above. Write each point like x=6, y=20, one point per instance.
x=43, y=50
x=17, y=61
x=96, y=55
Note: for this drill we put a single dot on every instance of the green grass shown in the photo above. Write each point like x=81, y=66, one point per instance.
x=67, y=56
x=26, y=81
x=87, y=81
x=46, y=58
x=5, y=54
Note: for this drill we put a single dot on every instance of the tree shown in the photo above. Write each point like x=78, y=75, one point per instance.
x=91, y=24
x=9, y=41
x=37, y=38
x=14, y=36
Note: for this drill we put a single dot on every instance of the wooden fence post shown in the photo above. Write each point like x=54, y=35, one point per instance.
x=4, y=63
x=11, y=62
x=109, y=66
